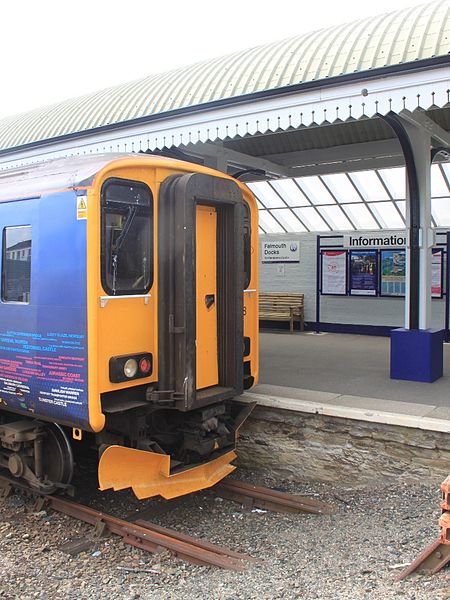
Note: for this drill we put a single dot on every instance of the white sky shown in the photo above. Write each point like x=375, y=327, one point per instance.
x=53, y=50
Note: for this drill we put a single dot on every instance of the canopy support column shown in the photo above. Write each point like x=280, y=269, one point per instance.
x=421, y=148
x=416, y=349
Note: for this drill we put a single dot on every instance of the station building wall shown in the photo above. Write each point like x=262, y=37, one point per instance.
x=348, y=310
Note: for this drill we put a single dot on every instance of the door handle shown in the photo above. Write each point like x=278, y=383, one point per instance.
x=209, y=300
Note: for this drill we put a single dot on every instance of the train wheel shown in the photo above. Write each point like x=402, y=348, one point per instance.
x=57, y=458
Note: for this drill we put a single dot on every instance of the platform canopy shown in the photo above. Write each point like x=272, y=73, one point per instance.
x=307, y=105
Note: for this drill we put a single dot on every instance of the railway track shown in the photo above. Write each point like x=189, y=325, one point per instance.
x=251, y=496
x=148, y=536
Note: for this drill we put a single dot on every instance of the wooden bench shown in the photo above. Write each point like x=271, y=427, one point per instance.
x=282, y=307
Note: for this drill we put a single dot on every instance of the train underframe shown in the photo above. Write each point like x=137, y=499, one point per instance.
x=152, y=449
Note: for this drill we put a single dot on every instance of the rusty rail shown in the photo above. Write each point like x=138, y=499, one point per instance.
x=153, y=538
x=430, y=561
x=251, y=496
x=143, y=534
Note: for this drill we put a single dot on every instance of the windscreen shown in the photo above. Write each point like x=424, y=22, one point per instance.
x=127, y=237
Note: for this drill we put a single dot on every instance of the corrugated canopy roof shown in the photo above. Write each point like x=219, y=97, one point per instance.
x=405, y=36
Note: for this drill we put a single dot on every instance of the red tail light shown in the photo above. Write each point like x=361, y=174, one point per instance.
x=145, y=365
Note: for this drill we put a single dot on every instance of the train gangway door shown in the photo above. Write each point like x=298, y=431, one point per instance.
x=200, y=289
x=207, y=367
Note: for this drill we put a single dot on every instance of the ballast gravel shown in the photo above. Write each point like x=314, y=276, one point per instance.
x=355, y=554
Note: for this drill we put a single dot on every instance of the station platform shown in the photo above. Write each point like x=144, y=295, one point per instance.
x=347, y=376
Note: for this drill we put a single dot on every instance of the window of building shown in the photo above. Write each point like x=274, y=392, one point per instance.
x=127, y=237
x=16, y=264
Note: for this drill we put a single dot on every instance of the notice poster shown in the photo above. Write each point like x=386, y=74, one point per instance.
x=436, y=273
x=393, y=272
x=363, y=272
x=334, y=272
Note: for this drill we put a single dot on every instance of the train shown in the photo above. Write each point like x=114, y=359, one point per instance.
x=128, y=318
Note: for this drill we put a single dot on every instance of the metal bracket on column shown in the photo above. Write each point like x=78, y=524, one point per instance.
x=445, y=151
x=419, y=118
x=399, y=129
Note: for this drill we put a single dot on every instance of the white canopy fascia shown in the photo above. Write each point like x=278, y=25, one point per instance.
x=318, y=106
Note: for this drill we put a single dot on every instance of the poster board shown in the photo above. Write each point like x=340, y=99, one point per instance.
x=437, y=273
x=333, y=272
x=393, y=273
x=363, y=272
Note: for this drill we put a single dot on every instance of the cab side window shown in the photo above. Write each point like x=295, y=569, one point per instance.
x=16, y=264
x=127, y=237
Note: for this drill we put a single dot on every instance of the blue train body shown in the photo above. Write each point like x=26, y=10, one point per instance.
x=43, y=342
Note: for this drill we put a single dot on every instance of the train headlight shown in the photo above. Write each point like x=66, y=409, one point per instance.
x=126, y=367
x=130, y=368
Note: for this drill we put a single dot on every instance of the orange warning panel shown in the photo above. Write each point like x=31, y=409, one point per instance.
x=148, y=473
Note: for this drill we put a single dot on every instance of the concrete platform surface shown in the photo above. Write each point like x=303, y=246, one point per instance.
x=346, y=365
x=375, y=410
x=347, y=376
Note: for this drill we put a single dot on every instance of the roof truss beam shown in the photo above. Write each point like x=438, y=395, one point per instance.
x=228, y=157
x=347, y=157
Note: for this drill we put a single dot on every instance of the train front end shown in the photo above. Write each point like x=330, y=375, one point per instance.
x=172, y=323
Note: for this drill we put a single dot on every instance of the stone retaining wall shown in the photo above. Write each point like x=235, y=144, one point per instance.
x=294, y=445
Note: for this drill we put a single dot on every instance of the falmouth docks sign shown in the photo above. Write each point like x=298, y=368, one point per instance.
x=280, y=252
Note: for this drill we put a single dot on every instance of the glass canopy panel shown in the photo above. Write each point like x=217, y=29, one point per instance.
x=446, y=167
x=395, y=181
x=266, y=194
x=360, y=216
x=291, y=193
x=268, y=223
x=438, y=185
x=341, y=187
x=311, y=218
x=315, y=190
x=335, y=216
x=401, y=205
x=369, y=186
x=288, y=219
x=350, y=212
x=387, y=215
x=440, y=209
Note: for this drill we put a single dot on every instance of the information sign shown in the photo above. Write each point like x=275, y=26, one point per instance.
x=280, y=251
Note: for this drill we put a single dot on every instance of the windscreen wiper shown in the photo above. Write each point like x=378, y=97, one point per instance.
x=126, y=228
